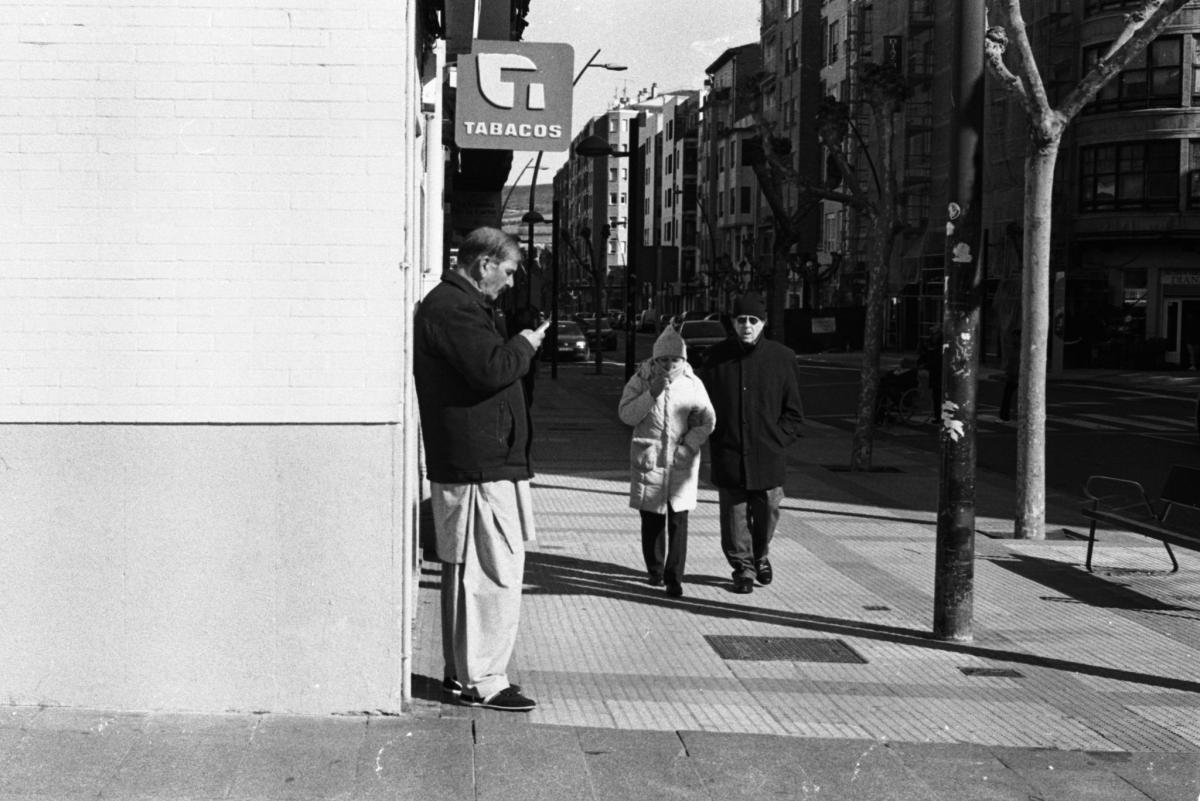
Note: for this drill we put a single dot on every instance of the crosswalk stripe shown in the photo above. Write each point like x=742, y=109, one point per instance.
x=1130, y=422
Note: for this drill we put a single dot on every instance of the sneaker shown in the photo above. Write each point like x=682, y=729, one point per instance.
x=452, y=686
x=765, y=573
x=675, y=590
x=743, y=585
x=507, y=700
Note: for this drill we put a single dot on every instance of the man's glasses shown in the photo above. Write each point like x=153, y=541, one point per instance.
x=747, y=319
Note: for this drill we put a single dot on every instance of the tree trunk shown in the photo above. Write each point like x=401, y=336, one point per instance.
x=863, y=443
x=883, y=233
x=1035, y=336
x=778, y=294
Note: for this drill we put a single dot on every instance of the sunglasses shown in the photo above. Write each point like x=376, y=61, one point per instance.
x=747, y=319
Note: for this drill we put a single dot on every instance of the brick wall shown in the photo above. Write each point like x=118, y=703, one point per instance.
x=203, y=210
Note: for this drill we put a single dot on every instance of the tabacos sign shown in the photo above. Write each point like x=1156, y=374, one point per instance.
x=514, y=96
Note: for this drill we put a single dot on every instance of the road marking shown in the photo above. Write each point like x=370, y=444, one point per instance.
x=1132, y=422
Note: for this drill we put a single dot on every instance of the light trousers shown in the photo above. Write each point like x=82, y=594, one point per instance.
x=484, y=527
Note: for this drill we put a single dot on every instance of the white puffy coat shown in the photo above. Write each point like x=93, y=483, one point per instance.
x=668, y=433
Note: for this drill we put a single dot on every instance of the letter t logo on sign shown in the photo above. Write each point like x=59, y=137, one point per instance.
x=514, y=96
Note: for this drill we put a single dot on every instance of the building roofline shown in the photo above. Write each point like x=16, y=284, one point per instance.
x=729, y=55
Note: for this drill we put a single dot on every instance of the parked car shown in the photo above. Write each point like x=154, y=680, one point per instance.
x=608, y=336
x=572, y=344
x=647, y=321
x=700, y=335
x=617, y=317
x=667, y=319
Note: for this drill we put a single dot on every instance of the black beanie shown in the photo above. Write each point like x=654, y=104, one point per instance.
x=752, y=304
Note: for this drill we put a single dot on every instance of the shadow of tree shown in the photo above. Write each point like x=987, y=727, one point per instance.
x=554, y=574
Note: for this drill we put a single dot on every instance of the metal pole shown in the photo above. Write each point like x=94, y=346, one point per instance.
x=954, y=570
x=552, y=340
x=636, y=189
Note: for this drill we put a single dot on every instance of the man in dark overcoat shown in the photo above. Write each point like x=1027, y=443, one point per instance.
x=476, y=427
x=754, y=384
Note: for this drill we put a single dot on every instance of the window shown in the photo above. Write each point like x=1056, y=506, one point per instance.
x=612, y=173
x=1153, y=79
x=670, y=129
x=624, y=199
x=721, y=158
x=745, y=208
x=720, y=204
x=833, y=39
x=667, y=196
x=612, y=198
x=1196, y=69
x=1096, y=6
x=1132, y=175
x=733, y=201
x=670, y=166
x=733, y=154
x=1193, y=199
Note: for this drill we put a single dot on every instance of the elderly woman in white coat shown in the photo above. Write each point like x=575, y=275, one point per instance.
x=672, y=417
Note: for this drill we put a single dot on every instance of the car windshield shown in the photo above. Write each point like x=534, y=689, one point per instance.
x=702, y=328
x=568, y=327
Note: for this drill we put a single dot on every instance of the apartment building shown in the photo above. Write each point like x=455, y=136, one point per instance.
x=593, y=198
x=727, y=197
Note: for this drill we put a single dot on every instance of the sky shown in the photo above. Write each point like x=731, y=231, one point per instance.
x=663, y=42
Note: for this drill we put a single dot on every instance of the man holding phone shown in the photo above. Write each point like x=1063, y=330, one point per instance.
x=477, y=430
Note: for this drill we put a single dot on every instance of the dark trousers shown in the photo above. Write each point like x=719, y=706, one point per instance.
x=1010, y=389
x=748, y=521
x=664, y=544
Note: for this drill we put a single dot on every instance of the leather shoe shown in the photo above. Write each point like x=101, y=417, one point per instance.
x=765, y=573
x=743, y=585
x=654, y=579
x=674, y=590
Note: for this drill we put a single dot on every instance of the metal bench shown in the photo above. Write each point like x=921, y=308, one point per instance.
x=1173, y=519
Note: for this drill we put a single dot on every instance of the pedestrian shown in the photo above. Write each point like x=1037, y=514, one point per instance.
x=1012, y=372
x=476, y=428
x=754, y=384
x=672, y=417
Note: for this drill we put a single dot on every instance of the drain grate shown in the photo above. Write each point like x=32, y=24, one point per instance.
x=783, y=649
x=1000, y=673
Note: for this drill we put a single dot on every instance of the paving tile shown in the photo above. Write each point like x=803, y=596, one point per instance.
x=532, y=763
x=299, y=758
x=64, y=764
x=427, y=759
x=181, y=767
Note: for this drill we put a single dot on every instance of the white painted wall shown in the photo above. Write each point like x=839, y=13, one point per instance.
x=210, y=238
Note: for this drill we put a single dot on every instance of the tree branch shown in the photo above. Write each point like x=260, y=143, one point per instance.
x=1035, y=90
x=994, y=48
x=1141, y=27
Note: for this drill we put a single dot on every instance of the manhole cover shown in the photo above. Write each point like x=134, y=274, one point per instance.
x=1001, y=673
x=783, y=649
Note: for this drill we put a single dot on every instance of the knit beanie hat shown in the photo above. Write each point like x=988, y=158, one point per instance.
x=750, y=304
x=669, y=343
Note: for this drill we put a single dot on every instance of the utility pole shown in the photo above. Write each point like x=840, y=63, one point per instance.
x=954, y=576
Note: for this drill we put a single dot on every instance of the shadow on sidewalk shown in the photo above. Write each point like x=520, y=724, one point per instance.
x=553, y=574
x=1086, y=588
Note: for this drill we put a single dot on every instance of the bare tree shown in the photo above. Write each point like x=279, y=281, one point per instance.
x=1046, y=126
x=880, y=203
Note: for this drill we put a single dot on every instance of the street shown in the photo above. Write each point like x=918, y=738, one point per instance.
x=1091, y=427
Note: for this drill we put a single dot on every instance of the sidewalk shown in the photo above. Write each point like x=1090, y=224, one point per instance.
x=824, y=685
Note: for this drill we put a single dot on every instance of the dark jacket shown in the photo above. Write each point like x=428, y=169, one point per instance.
x=474, y=419
x=756, y=393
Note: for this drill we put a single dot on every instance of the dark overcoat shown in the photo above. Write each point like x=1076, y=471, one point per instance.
x=474, y=419
x=755, y=390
